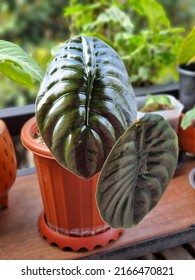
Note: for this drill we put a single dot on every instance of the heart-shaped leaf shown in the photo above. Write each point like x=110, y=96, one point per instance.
x=85, y=104
x=137, y=171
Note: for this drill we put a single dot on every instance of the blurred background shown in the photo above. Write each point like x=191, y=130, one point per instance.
x=148, y=42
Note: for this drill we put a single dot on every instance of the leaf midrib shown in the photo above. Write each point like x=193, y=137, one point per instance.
x=90, y=70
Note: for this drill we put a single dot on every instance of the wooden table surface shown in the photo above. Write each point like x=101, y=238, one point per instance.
x=19, y=233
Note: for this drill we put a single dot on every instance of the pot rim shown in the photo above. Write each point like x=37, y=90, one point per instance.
x=27, y=133
x=185, y=72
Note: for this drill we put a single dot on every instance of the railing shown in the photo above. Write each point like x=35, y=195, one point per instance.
x=15, y=117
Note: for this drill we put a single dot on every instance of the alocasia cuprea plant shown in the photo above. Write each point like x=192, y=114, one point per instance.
x=87, y=115
x=85, y=104
x=86, y=112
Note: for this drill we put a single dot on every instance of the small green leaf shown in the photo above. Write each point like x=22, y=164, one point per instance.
x=155, y=103
x=18, y=65
x=112, y=16
x=137, y=171
x=74, y=9
x=159, y=99
x=188, y=118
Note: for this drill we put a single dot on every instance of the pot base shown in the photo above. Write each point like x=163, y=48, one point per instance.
x=76, y=243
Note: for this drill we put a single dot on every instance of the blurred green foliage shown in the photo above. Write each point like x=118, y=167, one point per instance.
x=32, y=21
x=139, y=31
x=140, y=37
x=36, y=26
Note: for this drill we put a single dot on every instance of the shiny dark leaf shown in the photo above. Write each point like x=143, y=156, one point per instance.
x=137, y=171
x=85, y=104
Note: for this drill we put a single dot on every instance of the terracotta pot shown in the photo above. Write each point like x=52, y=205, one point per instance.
x=8, y=164
x=70, y=217
x=186, y=138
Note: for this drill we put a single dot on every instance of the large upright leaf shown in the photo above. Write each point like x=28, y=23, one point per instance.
x=137, y=171
x=18, y=65
x=84, y=105
x=187, y=52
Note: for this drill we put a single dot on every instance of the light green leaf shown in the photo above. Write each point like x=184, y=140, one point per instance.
x=155, y=14
x=113, y=15
x=72, y=10
x=13, y=72
x=192, y=60
x=18, y=65
x=188, y=118
x=187, y=52
x=157, y=103
x=159, y=99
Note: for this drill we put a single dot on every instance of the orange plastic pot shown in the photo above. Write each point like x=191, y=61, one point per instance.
x=186, y=138
x=8, y=164
x=70, y=217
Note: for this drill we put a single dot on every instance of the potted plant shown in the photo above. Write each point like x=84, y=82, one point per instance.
x=163, y=104
x=186, y=71
x=187, y=131
x=18, y=65
x=112, y=169
x=8, y=164
x=187, y=138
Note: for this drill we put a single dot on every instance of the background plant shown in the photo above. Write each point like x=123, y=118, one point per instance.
x=139, y=31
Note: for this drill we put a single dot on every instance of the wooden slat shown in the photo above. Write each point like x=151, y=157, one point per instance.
x=177, y=253
x=191, y=248
x=147, y=246
x=192, y=245
x=20, y=238
x=148, y=257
